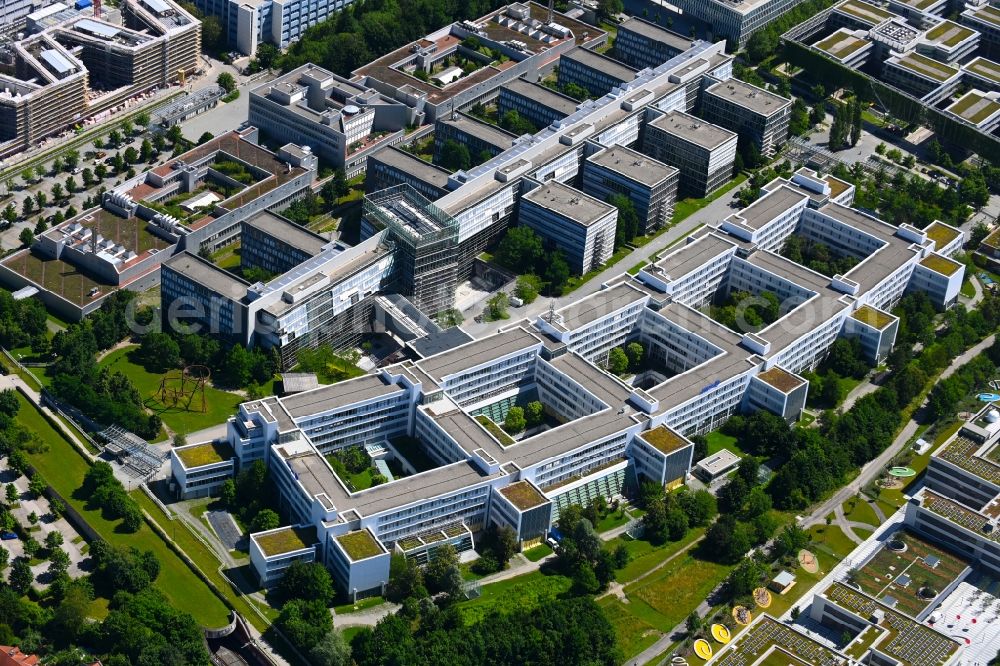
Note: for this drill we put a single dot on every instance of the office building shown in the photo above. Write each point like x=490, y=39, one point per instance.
x=925, y=78
x=482, y=140
x=578, y=224
x=754, y=113
x=641, y=44
x=390, y=166
x=651, y=186
x=276, y=245
x=593, y=72
x=734, y=20
x=536, y=103
x=703, y=153
x=985, y=19
x=978, y=108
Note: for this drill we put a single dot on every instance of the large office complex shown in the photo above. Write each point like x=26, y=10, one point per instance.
x=758, y=115
x=73, y=66
x=434, y=417
x=735, y=20
x=641, y=44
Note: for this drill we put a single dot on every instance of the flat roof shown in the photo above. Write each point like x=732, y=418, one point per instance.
x=940, y=264
x=208, y=275
x=655, y=33
x=985, y=68
x=606, y=387
x=206, y=453
x=781, y=379
x=719, y=461
x=606, y=66
x=768, y=207
x=475, y=353
x=599, y=304
x=287, y=232
x=974, y=107
x=413, y=166
x=689, y=257
x=634, y=165
x=986, y=14
x=286, y=540
x=359, y=545
x=749, y=97
x=924, y=66
x=523, y=495
x=490, y=134
x=842, y=44
x=569, y=202
x=664, y=439
x=949, y=33
x=331, y=396
x=866, y=12
x=542, y=95
x=693, y=130
x=297, y=382
x=941, y=234
x=874, y=318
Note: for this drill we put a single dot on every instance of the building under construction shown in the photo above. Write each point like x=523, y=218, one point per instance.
x=426, y=240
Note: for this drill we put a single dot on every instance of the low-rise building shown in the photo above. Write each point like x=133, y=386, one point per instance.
x=850, y=47
x=985, y=19
x=482, y=140
x=536, y=103
x=925, y=78
x=978, y=108
x=200, y=469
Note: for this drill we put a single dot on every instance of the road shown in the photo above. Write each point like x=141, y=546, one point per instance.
x=713, y=212
x=872, y=470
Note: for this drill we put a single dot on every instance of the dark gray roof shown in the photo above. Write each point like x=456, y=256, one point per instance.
x=543, y=95
x=287, y=232
x=436, y=343
x=607, y=66
x=336, y=395
x=208, y=275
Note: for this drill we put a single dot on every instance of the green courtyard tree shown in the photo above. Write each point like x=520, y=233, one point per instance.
x=617, y=361
x=520, y=250
x=226, y=81
x=514, y=421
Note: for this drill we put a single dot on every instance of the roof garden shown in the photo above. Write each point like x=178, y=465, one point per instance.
x=940, y=265
x=286, y=540
x=905, y=639
x=918, y=4
x=778, y=645
x=837, y=186
x=941, y=234
x=781, y=379
x=949, y=33
x=58, y=277
x=925, y=66
x=874, y=318
x=864, y=11
x=523, y=495
x=961, y=452
x=842, y=44
x=960, y=515
x=359, y=545
x=974, y=107
x=908, y=570
x=208, y=453
x=984, y=68
x=664, y=439
x=987, y=14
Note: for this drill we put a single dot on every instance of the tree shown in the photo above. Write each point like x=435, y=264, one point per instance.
x=28, y=176
x=131, y=155
x=515, y=124
x=305, y=622
x=265, y=520
x=145, y=151
x=205, y=138
x=514, y=421
x=762, y=44
x=978, y=234
x=627, y=226
x=53, y=539
x=693, y=622
x=556, y=272
x=10, y=214
x=527, y=287
x=534, y=413
x=332, y=649
x=442, y=571
x=609, y=9
x=71, y=614
x=27, y=237
x=267, y=55
x=101, y=171
x=306, y=580
x=496, y=306
x=57, y=191
x=37, y=486
x=211, y=32
x=159, y=352
x=11, y=493
x=520, y=250
x=617, y=361
x=405, y=578
x=227, y=493
x=635, y=353
x=21, y=576
x=56, y=507
x=454, y=156
x=41, y=200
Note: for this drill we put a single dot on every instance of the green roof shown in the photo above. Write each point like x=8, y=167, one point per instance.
x=925, y=66
x=780, y=379
x=664, y=439
x=874, y=318
x=841, y=44
x=974, y=107
x=286, y=540
x=988, y=14
x=949, y=33
x=523, y=495
x=199, y=455
x=865, y=11
x=359, y=545
x=984, y=68
x=941, y=234
x=940, y=264
x=918, y=4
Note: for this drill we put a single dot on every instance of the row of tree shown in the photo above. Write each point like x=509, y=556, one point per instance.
x=522, y=251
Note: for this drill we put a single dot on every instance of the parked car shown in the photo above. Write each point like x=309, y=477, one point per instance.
x=7, y=536
x=516, y=302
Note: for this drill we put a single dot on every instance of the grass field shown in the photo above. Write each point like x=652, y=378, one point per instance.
x=63, y=469
x=220, y=405
x=687, y=207
x=718, y=441
x=633, y=634
x=644, y=556
x=667, y=597
x=522, y=593
x=538, y=552
x=860, y=511
x=831, y=540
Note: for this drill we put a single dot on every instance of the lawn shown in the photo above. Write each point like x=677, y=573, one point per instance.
x=644, y=556
x=632, y=633
x=522, y=593
x=667, y=597
x=612, y=520
x=831, y=540
x=63, y=468
x=220, y=405
x=687, y=207
x=718, y=441
x=538, y=552
x=859, y=510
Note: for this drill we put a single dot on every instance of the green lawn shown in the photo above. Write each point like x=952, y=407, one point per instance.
x=612, y=520
x=538, y=552
x=220, y=405
x=718, y=441
x=63, y=468
x=860, y=511
x=633, y=634
x=666, y=598
x=524, y=592
x=831, y=540
x=644, y=556
x=687, y=207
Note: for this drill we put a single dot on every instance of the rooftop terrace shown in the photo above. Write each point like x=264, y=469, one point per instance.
x=986, y=14
x=58, y=277
x=866, y=12
x=984, y=68
x=949, y=33
x=874, y=318
x=941, y=234
x=781, y=379
x=961, y=452
x=767, y=635
x=841, y=44
x=924, y=66
x=960, y=515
